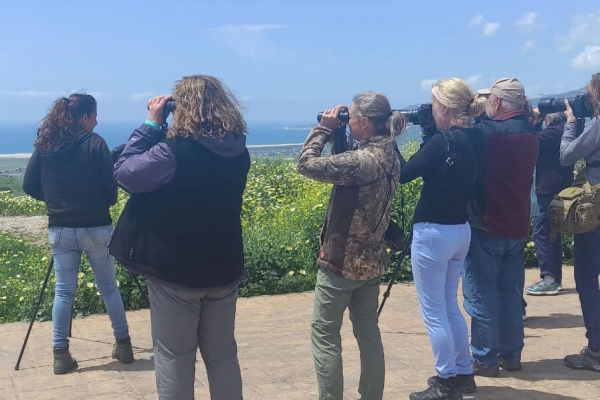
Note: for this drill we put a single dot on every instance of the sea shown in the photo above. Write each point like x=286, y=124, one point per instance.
x=18, y=137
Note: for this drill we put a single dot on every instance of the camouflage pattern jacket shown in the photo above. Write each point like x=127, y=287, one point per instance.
x=358, y=214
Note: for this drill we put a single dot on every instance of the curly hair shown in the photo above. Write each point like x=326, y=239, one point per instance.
x=61, y=124
x=594, y=91
x=205, y=107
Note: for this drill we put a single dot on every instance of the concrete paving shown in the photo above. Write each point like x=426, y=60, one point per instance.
x=273, y=334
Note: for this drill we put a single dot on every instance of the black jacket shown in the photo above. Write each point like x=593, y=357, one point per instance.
x=446, y=190
x=75, y=181
x=551, y=176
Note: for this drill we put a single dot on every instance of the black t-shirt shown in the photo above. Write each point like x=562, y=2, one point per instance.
x=447, y=191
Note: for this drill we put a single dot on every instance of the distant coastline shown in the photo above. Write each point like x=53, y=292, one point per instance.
x=16, y=155
x=252, y=146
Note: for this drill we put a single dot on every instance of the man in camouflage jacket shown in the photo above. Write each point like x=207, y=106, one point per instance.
x=353, y=252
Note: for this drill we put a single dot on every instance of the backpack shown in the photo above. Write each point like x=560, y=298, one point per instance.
x=575, y=209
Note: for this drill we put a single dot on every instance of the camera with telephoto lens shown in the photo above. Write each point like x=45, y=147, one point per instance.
x=343, y=117
x=581, y=105
x=423, y=115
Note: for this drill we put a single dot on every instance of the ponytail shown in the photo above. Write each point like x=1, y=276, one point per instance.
x=61, y=124
x=396, y=123
x=477, y=106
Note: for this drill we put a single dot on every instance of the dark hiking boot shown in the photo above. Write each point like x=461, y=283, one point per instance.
x=586, y=360
x=511, y=365
x=63, y=361
x=466, y=382
x=484, y=370
x=442, y=389
x=123, y=351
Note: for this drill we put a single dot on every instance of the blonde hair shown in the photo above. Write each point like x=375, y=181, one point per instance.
x=205, y=107
x=529, y=111
x=455, y=94
x=594, y=91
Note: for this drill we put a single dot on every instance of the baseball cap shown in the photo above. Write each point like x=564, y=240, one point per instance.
x=484, y=92
x=509, y=89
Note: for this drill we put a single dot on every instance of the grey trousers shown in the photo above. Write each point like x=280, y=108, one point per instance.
x=183, y=321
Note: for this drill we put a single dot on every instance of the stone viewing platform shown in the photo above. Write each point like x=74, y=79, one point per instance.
x=273, y=335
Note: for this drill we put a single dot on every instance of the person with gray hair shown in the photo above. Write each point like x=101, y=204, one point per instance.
x=353, y=254
x=494, y=274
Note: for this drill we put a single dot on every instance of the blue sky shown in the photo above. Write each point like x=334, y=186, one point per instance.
x=286, y=60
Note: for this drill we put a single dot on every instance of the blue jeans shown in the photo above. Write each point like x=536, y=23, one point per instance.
x=438, y=254
x=493, y=279
x=549, y=254
x=587, y=267
x=67, y=245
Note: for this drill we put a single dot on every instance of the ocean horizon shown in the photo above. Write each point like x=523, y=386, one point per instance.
x=18, y=137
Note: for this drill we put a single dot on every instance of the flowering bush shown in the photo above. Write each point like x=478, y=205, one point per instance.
x=11, y=205
x=282, y=216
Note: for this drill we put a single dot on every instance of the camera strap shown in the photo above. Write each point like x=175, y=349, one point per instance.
x=450, y=153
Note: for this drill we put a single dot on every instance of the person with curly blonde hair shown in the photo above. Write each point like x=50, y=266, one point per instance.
x=181, y=229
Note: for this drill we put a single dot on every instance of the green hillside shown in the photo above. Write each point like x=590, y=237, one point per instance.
x=12, y=183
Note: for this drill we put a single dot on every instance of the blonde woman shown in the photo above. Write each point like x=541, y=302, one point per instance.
x=441, y=233
x=181, y=229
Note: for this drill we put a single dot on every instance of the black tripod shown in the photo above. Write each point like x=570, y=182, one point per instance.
x=403, y=254
x=39, y=303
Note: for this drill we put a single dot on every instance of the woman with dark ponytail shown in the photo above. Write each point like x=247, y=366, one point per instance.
x=71, y=171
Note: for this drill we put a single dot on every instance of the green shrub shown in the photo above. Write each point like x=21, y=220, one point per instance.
x=11, y=205
x=282, y=216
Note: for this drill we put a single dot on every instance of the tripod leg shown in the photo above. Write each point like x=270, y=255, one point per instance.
x=34, y=314
x=404, y=253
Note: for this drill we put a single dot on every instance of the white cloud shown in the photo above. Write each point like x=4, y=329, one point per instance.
x=587, y=59
x=477, y=20
x=140, y=96
x=585, y=29
x=529, y=45
x=427, y=84
x=473, y=79
x=247, y=28
x=490, y=28
x=246, y=40
x=527, y=22
x=31, y=94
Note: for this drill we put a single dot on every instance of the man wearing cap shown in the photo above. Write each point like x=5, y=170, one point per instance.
x=494, y=275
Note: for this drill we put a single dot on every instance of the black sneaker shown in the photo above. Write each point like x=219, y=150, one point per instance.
x=63, y=361
x=511, y=365
x=466, y=382
x=442, y=389
x=586, y=360
x=484, y=370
